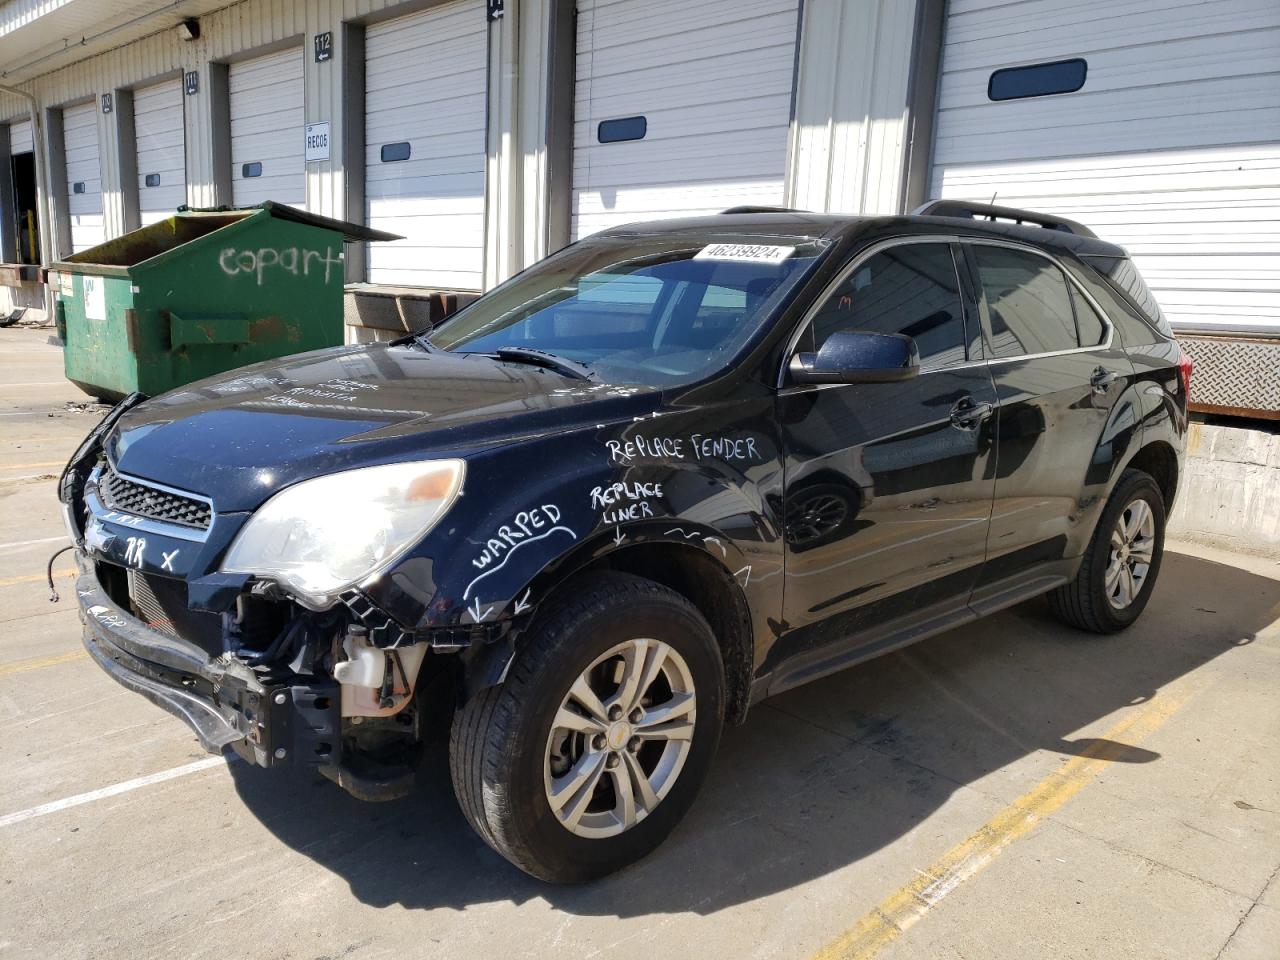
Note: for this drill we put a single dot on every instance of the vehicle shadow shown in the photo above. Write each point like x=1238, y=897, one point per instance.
x=820, y=777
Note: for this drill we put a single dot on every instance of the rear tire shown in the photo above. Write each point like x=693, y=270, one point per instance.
x=518, y=750
x=1122, y=561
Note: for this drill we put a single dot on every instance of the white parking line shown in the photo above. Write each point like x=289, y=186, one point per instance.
x=56, y=805
x=29, y=543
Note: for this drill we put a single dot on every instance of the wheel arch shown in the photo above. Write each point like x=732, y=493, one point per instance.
x=1159, y=459
x=692, y=572
x=704, y=582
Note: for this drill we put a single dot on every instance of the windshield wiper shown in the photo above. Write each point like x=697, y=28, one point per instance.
x=543, y=358
x=422, y=339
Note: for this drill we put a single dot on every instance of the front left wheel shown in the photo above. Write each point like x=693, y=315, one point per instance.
x=591, y=751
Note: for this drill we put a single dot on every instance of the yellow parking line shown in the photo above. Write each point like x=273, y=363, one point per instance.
x=22, y=666
x=33, y=577
x=910, y=903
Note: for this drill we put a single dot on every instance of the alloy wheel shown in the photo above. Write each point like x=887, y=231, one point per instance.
x=620, y=738
x=1133, y=541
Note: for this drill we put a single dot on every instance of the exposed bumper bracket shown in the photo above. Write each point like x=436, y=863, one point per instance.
x=223, y=701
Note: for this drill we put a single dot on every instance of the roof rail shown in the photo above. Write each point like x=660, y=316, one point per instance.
x=986, y=211
x=752, y=208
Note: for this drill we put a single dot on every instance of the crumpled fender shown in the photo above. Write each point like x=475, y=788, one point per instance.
x=498, y=557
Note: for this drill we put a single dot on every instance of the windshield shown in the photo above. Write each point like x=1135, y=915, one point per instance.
x=651, y=310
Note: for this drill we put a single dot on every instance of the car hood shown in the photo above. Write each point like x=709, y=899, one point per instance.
x=239, y=437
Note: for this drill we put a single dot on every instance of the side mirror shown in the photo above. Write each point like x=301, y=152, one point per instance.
x=858, y=356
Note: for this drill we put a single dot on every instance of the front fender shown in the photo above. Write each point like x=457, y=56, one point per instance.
x=537, y=510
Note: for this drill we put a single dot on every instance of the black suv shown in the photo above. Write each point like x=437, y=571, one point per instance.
x=667, y=472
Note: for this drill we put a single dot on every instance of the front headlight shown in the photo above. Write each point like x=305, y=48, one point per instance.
x=323, y=535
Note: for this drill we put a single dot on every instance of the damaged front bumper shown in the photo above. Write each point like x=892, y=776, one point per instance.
x=224, y=701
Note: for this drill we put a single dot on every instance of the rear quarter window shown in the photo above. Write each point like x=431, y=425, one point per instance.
x=1092, y=331
x=1121, y=275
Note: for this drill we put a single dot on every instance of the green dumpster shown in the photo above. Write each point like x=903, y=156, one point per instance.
x=199, y=293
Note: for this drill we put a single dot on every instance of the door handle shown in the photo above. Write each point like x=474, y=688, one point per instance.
x=1102, y=379
x=966, y=415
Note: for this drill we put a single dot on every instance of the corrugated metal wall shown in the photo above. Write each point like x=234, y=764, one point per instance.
x=1171, y=148
x=711, y=82
x=231, y=33
x=850, y=131
x=845, y=153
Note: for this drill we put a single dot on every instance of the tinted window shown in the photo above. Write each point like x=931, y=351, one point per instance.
x=251, y=170
x=1027, y=301
x=394, y=152
x=624, y=128
x=657, y=310
x=1089, y=325
x=1123, y=275
x=1037, y=80
x=910, y=289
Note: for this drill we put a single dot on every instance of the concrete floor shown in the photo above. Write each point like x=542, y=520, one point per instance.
x=1008, y=790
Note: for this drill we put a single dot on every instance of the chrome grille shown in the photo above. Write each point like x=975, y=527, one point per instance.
x=128, y=496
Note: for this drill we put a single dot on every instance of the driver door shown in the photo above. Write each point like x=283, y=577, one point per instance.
x=888, y=486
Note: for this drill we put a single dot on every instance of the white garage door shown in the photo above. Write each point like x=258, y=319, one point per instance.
x=84, y=175
x=1171, y=147
x=267, y=150
x=162, y=164
x=425, y=146
x=20, y=137
x=692, y=102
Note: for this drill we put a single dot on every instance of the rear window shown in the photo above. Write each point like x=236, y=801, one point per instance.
x=1123, y=276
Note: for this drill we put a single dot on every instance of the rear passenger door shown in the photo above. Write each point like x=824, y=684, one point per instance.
x=1059, y=374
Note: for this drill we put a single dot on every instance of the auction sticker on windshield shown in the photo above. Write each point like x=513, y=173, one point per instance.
x=748, y=252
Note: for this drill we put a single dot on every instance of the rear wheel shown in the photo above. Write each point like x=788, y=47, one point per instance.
x=594, y=747
x=1122, y=562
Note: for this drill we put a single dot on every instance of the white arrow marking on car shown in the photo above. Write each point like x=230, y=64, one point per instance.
x=475, y=611
x=618, y=536
x=745, y=573
x=522, y=604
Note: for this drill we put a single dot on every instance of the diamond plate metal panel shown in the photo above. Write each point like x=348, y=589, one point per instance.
x=1236, y=374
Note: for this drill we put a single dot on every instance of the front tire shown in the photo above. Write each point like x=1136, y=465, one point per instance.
x=591, y=751
x=1122, y=562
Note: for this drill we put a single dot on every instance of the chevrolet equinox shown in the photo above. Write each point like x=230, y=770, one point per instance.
x=598, y=513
